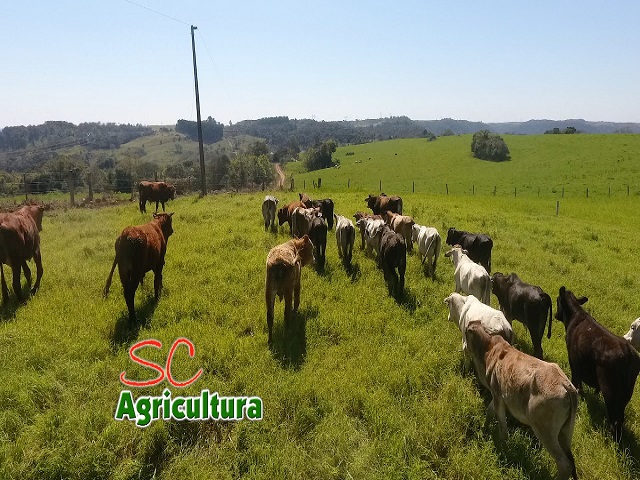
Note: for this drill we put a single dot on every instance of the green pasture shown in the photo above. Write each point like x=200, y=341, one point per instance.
x=545, y=162
x=362, y=387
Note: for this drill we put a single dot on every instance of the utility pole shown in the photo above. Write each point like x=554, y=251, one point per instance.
x=203, y=180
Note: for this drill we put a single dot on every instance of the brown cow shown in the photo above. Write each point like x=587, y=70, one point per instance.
x=285, y=213
x=401, y=224
x=382, y=203
x=284, y=266
x=19, y=242
x=155, y=192
x=139, y=250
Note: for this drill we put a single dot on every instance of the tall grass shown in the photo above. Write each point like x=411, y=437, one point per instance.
x=362, y=387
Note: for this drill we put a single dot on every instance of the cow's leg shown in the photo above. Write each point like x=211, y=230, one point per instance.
x=5, y=290
x=339, y=247
x=615, y=400
x=129, y=296
x=576, y=378
x=27, y=272
x=163, y=207
x=157, y=282
x=38, y=259
x=157, y=206
x=549, y=440
x=270, y=299
x=501, y=415
x=401, y=271
x=564, y=438
x=16, y=268
x=289, y=311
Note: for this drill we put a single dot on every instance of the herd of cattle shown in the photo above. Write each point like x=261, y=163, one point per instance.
x=535, y=392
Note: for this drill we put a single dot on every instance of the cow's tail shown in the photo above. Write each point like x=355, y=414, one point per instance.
x=105, y=292
x=400, y=206
x=549, y=303
x=277, y=275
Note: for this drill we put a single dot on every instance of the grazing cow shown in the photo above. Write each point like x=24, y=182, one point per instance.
x=633, y=335
x=155, y=192
x=285, y=213
x=524, y=302
x=382, y=203
x=284, y=267
x=478, y=245
x=401, y=224
x=325, y=205
x=464, y=310
x=598, y=358
x=535, y=392
x=392, y=256
x=141, y=249
x=362, y=225
x=269, y=206
x=470, y=277
x=345, y=237
x=318, y=236
x=372, y=233
x=429, y=244
x=19, y=242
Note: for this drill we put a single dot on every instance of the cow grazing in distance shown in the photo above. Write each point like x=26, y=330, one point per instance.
x=159, y=192
x=372, y=233
x=19, y=242
x=598, y=358
x=391, y=257
x=345, y=237
x=464, y=310
x=401, y=224
x=535, y=392
x=429, y=244
x=382, y=203
x=478, y=245
x=139, y=250
x=470, y=277
x=325, y=205
x=318, y=236
x=284, y=268
x=269, y=207
x=285, y=213
x=633, y=335
x=362, y=225
x=524, y=302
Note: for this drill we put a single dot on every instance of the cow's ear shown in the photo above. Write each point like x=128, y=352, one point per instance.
x=562, y=290
x=171, y=214
x=582, y=300
x=466, y=252
x=448, y=254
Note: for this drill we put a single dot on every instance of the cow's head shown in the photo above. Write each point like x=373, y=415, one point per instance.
x=283, y=215
x=370, y=201
x=166, y=225
x=304, y=198
x=456, y=253
x=566, y=304
x=455, y=302
x=633, y=335
x=415, y=231
x=499, y=282
x=172, y=191
x=452, y=236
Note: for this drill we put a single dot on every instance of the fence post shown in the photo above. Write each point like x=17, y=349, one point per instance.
x=349, y=183
x=447, y=186
x=515, y=191
x=304, y=184
x=494, y=190
x=609, y=190
x=627, y=190
x=562, y=192
x=90, y=186
x=557, y=207
x=26, y=191
x=155, y=176
x=72, y=187
x=538, y=192
x=413, y=186
x=587, y=192
x=380, y=185
x=319, y=182
x=292, y=185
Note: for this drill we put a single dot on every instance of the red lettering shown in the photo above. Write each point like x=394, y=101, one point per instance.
x=154, y=366
x=192, y=352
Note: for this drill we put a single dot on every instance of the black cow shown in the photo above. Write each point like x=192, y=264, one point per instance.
x=526, y=303
x=382, y=203
x=391, y=256
x=318, y=236
x=598, y=358
x=478, y=245
x=325, y=205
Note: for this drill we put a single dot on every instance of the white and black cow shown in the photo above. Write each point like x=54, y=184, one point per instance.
x=478, y=245
x=345, y=237
x=269, y=207
x=471, y=278
x=429, y=244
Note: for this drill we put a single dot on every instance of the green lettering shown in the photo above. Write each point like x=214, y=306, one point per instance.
x=215, y=411
x=254, y=410
x=143, y=407
x=178, y=414
x=125, y=406
x=240, y=407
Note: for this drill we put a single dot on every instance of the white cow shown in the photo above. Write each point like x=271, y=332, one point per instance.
x=429, y=243
x=372, y=233
x=269, y=207
x=345, y=236
x=464, y=310
x=633, y=335
x=535, y=392
x=471, y=278
x=300, y=219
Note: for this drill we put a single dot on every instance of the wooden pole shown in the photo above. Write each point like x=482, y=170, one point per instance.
x=587, y=192
x=203, y=179
x=90, y=186
x=349, y=183
x=473, y=190
x=562, y=192
x=26, y=190
x=557, y=207
x=413, y=187
x=380, y=185
x=447, y=187
x=494, y=190
x=72, y=187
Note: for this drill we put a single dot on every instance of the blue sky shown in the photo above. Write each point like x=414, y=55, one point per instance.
x=114, y=61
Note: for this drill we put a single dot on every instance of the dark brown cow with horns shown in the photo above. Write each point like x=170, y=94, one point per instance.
x=19, y=242
x=139, y=250
x=159, y=192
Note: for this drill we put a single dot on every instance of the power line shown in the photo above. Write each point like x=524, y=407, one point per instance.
x=157, y=12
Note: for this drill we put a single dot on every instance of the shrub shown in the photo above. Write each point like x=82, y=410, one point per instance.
x=489, y=146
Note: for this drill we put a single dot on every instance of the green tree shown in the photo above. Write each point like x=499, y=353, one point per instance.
x=489, y=146
x=320, y=156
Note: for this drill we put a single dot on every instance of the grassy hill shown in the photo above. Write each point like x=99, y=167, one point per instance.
x=364, y=387
x=545, y=162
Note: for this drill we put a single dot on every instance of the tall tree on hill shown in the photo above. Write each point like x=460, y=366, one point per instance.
x=320, y=156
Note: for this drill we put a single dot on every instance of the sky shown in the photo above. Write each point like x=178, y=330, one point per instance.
x=130, y=61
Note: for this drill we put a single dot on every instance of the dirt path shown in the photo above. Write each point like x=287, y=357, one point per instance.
x=281, y=177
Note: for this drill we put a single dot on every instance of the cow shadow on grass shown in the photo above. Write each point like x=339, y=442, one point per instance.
x=289, y=345
x=520, y=449
x=125, y=331
x=408, y=300
x=12, y=305
x=353, y=271
x=325, y=270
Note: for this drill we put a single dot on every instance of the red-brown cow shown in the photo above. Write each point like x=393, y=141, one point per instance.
x=285, y=213
x=155, y=192
x=19, y=242
x=139, y=250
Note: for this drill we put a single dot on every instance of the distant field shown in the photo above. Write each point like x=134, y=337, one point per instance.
x=545, y=162
x=367, y=388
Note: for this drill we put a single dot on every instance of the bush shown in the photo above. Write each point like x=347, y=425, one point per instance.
x=489, y=146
